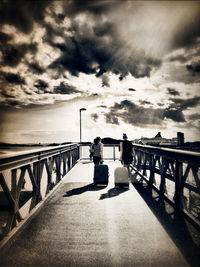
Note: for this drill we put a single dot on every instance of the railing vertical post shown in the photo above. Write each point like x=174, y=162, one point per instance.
x=163, y=168
x=144, y=164
x=79, y=154
x=73, y=159
x=50, y=170
x=178, y=188
x=138, y=160
x=64, y=164
x=14, y=193
x=69, y=160
x=80, y=151
x=37, y=174
x=14, y=183
x=58, y=168
x=151, y=167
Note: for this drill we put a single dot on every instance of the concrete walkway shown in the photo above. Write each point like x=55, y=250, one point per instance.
x=86, y=225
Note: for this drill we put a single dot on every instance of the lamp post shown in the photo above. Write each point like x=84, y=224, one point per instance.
x=81, y=109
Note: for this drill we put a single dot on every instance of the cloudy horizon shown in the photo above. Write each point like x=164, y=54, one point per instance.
x=134, y=65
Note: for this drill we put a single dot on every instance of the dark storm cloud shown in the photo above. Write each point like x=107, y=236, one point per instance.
x=94, y=116
x=5, y=94
x=194, y=68
x=52, y=31
x=74, y=58
x=140, y=116
x=42, y=86
x=59, y=17
x=161, y=104
x=36, y=68
x=174, y=114
x=99, y=50
x=4, y=38
x=13, y=54
x=22, y=13
x=195, y=116
x=187, y=35
x=65, y=89
x=175, y=110
x=180, y=58
x=106, y=28
x=95, y=94
x=97, y=7
x=12, y=78
x=13, y=103
x=105, y=80
x=144, y=102
x=102, y=106
x=184, y=104
x=134, y=114
x=172, y=91
x=111, y=118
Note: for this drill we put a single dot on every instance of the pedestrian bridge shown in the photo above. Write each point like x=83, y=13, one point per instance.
x=53, y=215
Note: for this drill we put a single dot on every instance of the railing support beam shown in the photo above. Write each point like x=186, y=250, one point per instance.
x=178, y=185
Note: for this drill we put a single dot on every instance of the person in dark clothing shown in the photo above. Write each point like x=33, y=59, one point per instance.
x=126, y=149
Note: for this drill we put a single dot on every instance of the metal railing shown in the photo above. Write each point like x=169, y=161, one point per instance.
x=174, y=174
x=27, y=178
x=110, y=152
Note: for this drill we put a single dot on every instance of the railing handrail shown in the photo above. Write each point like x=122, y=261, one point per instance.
x=180, y=155
x=103, y=144
x=111, y=145
x=40, y=152
x=10, y=161
x=168, y=149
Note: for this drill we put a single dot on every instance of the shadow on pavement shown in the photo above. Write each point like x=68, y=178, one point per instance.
x=113, y=192
x=183, y=234
x=83, y=189
x=87, y=162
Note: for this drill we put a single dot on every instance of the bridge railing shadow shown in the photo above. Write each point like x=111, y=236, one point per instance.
x=185, y=236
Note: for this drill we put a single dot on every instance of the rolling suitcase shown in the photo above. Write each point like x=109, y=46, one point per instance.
x=101, y=174
x=121, y=177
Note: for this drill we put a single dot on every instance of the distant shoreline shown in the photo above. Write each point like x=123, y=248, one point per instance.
x=32, y=144
x=8, y=147
x=15, y=148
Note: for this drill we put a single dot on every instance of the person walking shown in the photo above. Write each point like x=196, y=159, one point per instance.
x=126, y=152
x=96, y=151
x=91, y=150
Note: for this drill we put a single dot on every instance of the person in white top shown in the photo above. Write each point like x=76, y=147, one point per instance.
x=96, y=151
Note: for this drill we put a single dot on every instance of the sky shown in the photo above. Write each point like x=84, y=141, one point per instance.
x=134, y=66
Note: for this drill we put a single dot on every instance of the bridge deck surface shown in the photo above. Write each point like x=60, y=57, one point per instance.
x=86, y=225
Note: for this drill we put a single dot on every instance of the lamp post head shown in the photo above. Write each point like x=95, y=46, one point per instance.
x=82, y=109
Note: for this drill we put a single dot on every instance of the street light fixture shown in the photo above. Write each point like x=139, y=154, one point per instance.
x=81, y=109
